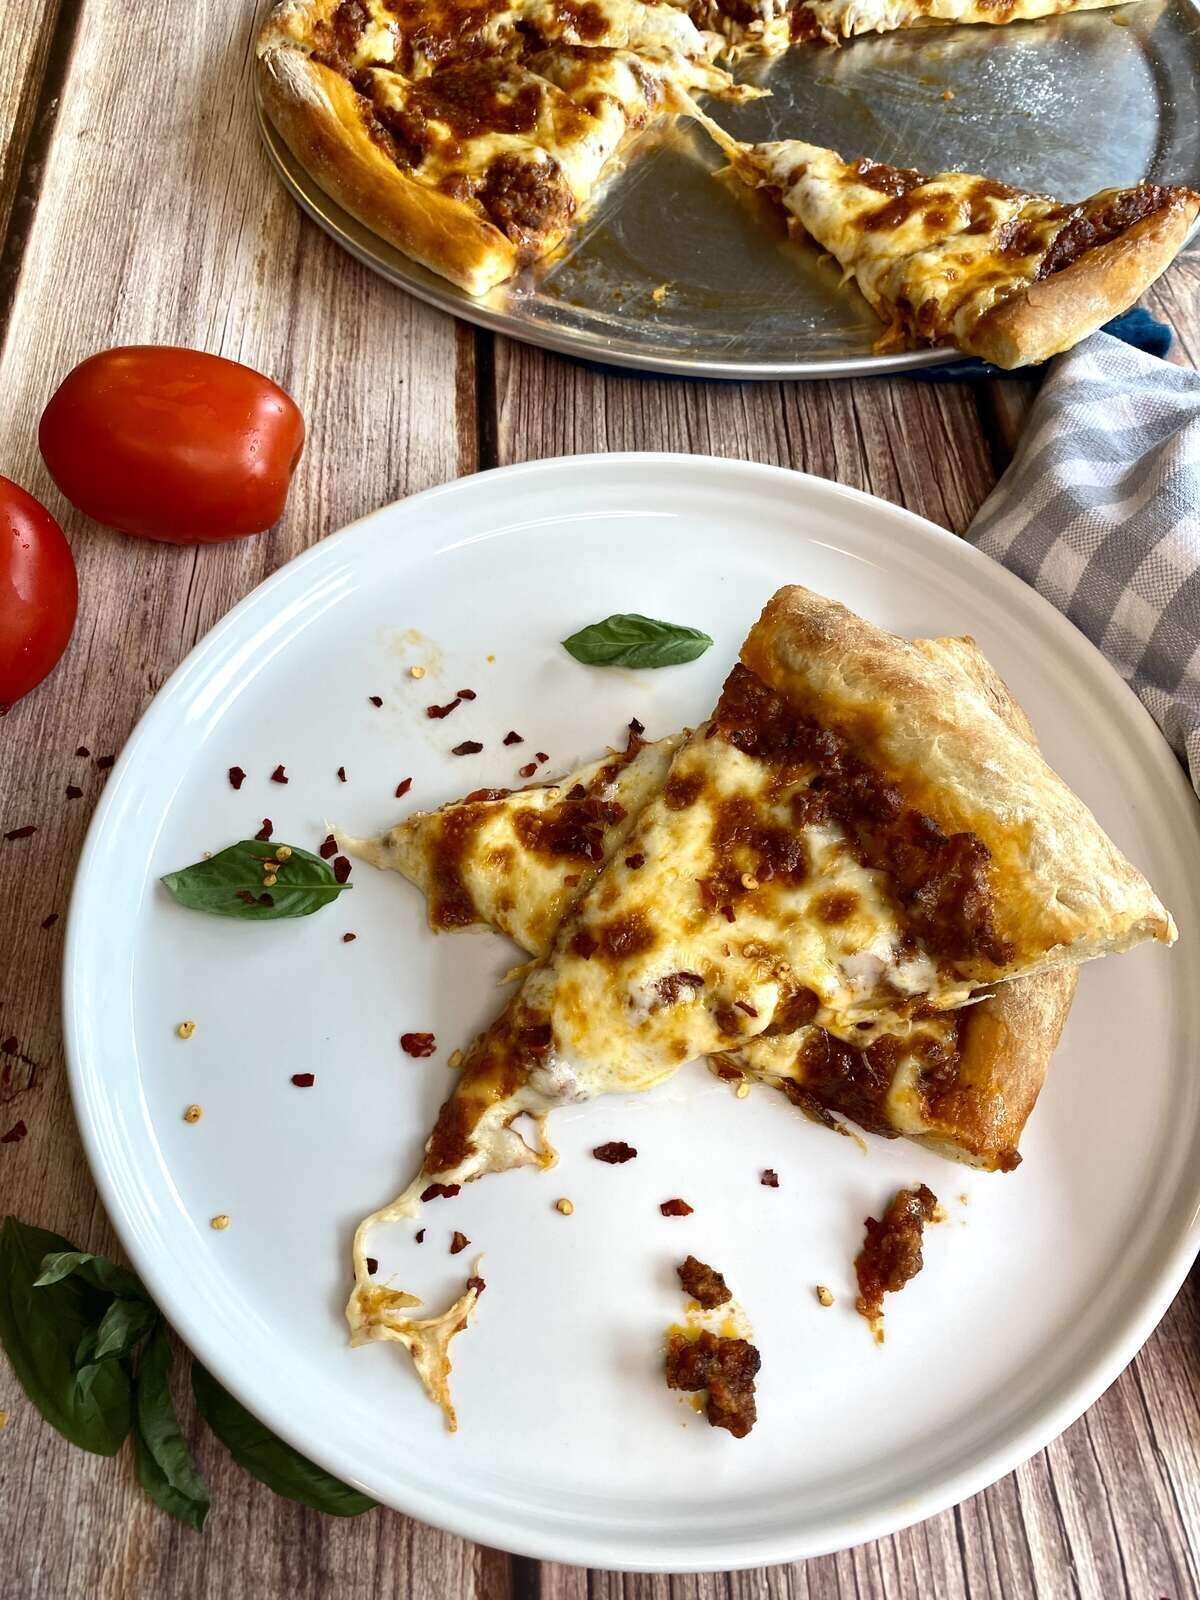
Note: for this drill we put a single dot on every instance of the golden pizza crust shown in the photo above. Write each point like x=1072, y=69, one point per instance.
x=1052, y=315
x=317, y=113
x=1063, y=891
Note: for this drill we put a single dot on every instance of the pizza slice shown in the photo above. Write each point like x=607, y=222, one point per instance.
x=966, y=261
x=426, y=123
x=772, y=26
x=854, y=840
x=963, y=1082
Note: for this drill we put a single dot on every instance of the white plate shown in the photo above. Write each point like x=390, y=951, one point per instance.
x=1038, y=1288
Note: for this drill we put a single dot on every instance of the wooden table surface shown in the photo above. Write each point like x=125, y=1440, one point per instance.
x=137, y=206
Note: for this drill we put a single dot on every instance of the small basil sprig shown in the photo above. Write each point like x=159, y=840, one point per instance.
x=629, y=640
x=231, y=883
x=91, y=1351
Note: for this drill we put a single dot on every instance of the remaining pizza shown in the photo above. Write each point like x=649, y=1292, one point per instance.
x=963, y=260
x=963, y=1082
x=470, y=136
x=773, y=26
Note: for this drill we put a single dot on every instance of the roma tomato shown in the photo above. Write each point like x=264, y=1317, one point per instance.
x=172, y=444
x=38, y=593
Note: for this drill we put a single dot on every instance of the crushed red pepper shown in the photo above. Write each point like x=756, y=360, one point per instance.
x=22, y=833
x=349, y=938
x=372, y=1265
x=304, y=1080
x=420, y=1235
x=458, y=1242
x=465, y=694
x=770, y=1179
x=278, y=776
x=403, y=787
x=512, y=737
x=74, y=792
x=327, y=847
x=616, y=1152
x=418, y=1044
x=376, y=700
x=15, y=1134
x=635, y=861
x=676, y=1208
x=237, y=777
x=528, y=770
x=265, y=832
x=476, y=1283
x=104, y=762
x=540, y=757
x=469, y=747
x=83, y=751
x=341, y=868
x=341, y=773
x=438, y=712
x=10, y=1046
x=48, y=922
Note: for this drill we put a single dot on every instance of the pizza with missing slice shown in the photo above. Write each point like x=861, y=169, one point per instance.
x=773, y=26
x=962, y=1082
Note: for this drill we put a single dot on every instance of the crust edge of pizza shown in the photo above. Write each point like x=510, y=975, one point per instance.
x=315, y=113
x=1052, y=315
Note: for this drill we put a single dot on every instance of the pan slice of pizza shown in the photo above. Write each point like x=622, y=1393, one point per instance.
x=966, y=261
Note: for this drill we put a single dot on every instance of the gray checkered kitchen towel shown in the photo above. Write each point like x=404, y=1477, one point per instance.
x=1100, y=512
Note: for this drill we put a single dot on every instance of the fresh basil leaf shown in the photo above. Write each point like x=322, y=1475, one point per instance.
x=629, y=640
x=230, y=884
x=42, y=1329
x=268, y=1458
x=123, y=1327
x=95, y=1270
x=164, y=1463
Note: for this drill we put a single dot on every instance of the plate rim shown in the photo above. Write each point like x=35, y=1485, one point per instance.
x=1115, y=1347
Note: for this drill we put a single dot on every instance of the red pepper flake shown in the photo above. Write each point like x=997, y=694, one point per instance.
x=469, y=747
x=265, y=832
x=328, y=847
x=15, y=1134
x=341, y=774
x=376, y=700
x=10, y=1047
x=458, y=1242
x=104, y=762
x=770, y=1179
x=513, y=737
x=420, y=1235
x=635, y=861
x=477, y=1284
x=440, y=1191
x=528, y=770
x=637, y=728
x=74, y=792
x=372, y=1265
x=48, y=922
x=304, y=1080
x=403, y=787
x=21, y=833
x=266, y=899
x=278, y=776
x=676, y=1208
x=418, y=1044
x=349, y=938
x=83, y=751
x=237, y=777
x=614, y=1152
x=744, y=1005
x=727, y=913
x=341, y=868
x=465, y=694
x=438, y=712
x=571, y=881
x=540, y=756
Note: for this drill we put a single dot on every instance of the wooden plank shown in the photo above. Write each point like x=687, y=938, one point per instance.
x=160, y=221
x=27, y=106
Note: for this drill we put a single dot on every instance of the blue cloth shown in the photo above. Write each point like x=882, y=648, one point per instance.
x=1135, y=326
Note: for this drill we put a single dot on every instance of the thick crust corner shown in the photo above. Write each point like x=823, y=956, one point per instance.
x=317, y=113
x=1053, y=315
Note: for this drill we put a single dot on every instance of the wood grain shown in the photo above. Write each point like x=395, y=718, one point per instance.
x=153, y=216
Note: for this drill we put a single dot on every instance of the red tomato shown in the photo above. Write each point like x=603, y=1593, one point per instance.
x=172, y=444
x=38, y=593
